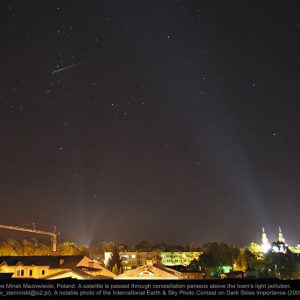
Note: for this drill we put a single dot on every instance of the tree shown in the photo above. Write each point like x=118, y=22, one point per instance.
x=115, y=262
x=192, y=247
x=68, y=249
x=216, y=257
x=144, y=246
x=280, y=265
x=125, y=248
x=248, y=260
x=194, y=265
x=176, y=248
x=115, y=270
x=10, y=248
x=95, y=252
x=160, y=247
x=108, y=246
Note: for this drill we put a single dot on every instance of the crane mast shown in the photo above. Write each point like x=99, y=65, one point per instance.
x=53, y=235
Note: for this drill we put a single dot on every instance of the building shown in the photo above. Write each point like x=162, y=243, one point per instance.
x=178, y=258
x=53, y=267
x=183, y=272
x=254, y=248
x=156, y=271
x=250, y=274
x=233, y=275
x=265, y=245
x=295, y=250
x=280, y=246
x=131, y=260
x=76, y=273
x=147, y=271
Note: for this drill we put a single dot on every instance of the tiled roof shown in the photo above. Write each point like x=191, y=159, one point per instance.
x=79, y=272
x=65, y=261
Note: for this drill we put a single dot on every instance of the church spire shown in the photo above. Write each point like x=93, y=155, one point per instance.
x=281, y=238
x=265, y=245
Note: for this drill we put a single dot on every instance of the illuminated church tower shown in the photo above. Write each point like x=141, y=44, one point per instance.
x=265, y=245
x=280, y=245
x=280, y=236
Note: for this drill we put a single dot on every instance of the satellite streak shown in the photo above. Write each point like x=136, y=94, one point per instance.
x=65, y=68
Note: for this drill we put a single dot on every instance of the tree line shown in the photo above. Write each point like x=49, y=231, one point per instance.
x=215, y=258
x=31, y=246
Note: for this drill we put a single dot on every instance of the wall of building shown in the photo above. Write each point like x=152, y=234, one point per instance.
x=35, y=272
x=132, y=260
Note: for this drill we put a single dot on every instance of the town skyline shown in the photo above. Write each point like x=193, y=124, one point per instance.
x=171, y=121
x=19, y=234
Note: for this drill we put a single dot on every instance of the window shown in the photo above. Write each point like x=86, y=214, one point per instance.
x=20, y=273
x=43, y=272
x=30, y=272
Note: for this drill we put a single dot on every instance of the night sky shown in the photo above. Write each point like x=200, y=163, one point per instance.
x=171, y=121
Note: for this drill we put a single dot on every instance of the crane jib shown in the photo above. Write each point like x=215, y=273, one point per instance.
x=53, y=235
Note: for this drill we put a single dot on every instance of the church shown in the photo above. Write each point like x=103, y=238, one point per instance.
x=279, y=246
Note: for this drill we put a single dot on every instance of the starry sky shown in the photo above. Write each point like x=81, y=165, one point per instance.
x=170, y=121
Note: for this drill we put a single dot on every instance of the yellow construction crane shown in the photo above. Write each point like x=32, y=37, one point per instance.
x=53, y=235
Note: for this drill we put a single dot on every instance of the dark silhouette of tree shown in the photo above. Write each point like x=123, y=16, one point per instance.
x=160, y=247
x=216, y=256
x=280, y=265
x=108, y=246
x=194, y=265
x=248, y=260
x=115, y=262
x=144, y=246
x=192, y=247
x=127, y=248
x=176, y=248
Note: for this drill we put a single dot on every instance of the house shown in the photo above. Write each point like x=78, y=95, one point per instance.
x=183, y=272
x=6, y=275
x=75, y=273
x=233, y=275
x=250, y=274
x=147, y=271
x=131, y=260
x=52, y=267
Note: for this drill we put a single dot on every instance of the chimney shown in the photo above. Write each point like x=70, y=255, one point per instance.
x=149, y=262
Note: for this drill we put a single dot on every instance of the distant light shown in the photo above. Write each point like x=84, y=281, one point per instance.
x=265, y=248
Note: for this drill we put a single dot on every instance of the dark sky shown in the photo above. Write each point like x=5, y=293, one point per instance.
x=172, y=121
